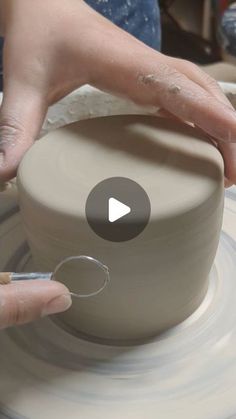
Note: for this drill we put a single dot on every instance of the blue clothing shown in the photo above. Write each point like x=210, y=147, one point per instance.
x=141, y=18
x=227, y=30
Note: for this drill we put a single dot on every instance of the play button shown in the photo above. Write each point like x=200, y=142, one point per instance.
x=118, y=209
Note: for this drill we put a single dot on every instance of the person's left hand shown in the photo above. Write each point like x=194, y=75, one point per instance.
x=53, y=47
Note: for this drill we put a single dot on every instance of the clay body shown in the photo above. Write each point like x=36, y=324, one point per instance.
x=157, y=279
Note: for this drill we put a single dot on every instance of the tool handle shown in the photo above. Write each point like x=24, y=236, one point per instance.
x=25, y=276
x=5, y=278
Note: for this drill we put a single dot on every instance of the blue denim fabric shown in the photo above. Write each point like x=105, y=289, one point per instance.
x=141, y=18
x=227, y=30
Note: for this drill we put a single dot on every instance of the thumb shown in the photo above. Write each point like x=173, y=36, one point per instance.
x=24, y=301
x=21, y=117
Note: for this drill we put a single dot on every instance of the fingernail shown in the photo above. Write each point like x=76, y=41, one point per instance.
x=57, y=305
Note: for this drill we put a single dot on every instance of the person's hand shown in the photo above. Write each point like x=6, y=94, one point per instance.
x=54, y=47
x=25, y=301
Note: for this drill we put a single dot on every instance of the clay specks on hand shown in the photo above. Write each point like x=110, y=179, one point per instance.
x=149, y=79
x=175, y=89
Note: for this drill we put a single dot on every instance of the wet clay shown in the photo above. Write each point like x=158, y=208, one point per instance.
x=158, y=278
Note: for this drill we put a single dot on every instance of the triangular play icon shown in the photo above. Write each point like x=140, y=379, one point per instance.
x=117, y=210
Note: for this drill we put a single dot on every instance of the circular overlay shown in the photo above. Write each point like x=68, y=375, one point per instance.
x=118, y=209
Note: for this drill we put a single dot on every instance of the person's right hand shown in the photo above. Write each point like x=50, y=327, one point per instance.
x=24, y=301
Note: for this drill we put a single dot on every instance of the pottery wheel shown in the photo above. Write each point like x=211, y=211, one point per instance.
x=187, y=372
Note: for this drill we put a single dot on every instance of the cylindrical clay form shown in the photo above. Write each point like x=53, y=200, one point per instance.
x=158, y=278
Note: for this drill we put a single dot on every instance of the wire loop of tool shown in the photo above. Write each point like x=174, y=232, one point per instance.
x=92, y=260
x=8, y=277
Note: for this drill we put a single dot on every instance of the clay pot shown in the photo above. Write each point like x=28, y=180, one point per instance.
x=158, y=278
